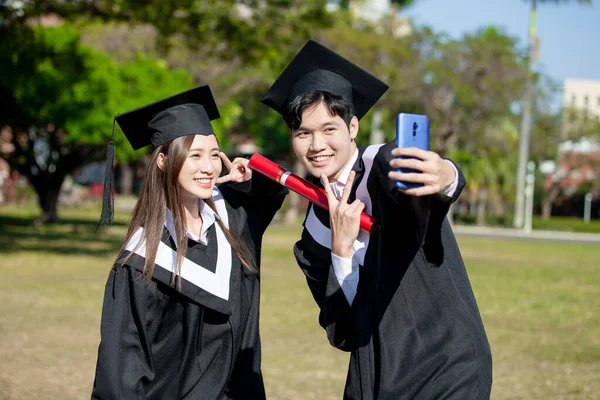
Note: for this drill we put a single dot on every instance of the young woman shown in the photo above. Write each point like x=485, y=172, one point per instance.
x=181, y=307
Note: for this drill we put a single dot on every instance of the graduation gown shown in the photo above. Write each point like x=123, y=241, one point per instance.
x=413, y=329
x=199, y=342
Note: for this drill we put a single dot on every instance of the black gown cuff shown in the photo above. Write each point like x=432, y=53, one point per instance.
x=259, y=185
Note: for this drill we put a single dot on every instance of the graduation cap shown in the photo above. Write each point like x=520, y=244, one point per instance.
x=316, y=67
x=186, y=113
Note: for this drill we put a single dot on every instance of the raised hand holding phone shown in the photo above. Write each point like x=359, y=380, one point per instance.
x=419, y=172
x=412, y=131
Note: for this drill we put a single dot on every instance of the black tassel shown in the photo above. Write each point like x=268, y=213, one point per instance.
x=106, y=217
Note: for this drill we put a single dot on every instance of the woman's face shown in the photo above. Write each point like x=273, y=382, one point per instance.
x=201, y=168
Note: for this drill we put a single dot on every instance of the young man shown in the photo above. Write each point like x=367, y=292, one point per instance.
x=399, y=299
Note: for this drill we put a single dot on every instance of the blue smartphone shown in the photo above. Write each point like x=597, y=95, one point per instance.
x=412, y=130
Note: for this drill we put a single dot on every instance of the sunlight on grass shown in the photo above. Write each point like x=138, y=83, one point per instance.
x=539, y=302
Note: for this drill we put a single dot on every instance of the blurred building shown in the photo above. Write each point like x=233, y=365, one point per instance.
x=374, y=10
x=582, y=94
x=371, y=10
x=578, y=168
x=579, y=163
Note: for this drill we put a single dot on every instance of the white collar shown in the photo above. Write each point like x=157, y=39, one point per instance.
x=346, y=171
x=339, y=185
x=209, y=216
x=217, y=282
x=322, y=234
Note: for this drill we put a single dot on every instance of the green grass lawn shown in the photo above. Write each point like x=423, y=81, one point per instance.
x=540, y=303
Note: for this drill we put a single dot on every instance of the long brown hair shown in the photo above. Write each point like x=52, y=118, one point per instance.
x=160, y=191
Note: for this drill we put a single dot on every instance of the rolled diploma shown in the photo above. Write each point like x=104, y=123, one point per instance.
x=301, y=186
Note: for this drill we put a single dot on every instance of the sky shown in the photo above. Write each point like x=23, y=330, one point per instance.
x=569, y=33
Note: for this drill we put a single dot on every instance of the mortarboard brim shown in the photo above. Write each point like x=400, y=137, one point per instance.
x=316, y=67
x=186, y=113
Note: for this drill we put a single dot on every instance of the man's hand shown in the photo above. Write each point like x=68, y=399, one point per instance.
x=344, y=218
x=238, y=170
x=436, y=173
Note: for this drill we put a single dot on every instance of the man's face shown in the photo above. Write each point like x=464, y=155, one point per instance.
x=323, y=142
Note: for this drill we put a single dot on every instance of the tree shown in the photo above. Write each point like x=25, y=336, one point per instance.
x=60, y=97
x=470, y=84
x=396, y=4
x=526, y=114
x=402, y=3
x=249, y=30
x=236, y=45
x=551, y=134
x=488, y=168
x=466, y=86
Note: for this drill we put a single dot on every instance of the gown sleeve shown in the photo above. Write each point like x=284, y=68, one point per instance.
x=261, y=197
x=382, y=167
x=336, y=315
x=437, y=205
x=128, y=326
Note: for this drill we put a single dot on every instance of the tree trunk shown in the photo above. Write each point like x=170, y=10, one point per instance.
x=48, y=189
x=481, y=205
x=472, y=201
x=126, y=178
x=463, y=208
x=498, y=206
x=291, y=214
x=377, y=136
x=546, y=209
x=48, y=202
x=548, y=202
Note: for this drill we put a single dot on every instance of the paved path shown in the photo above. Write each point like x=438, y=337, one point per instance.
x=125, y=204
x=508, y=233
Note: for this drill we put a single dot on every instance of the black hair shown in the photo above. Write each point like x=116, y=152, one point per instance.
x=337, y=106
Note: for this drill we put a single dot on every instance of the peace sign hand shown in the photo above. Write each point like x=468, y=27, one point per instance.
x=344, y=218
x=238, y=170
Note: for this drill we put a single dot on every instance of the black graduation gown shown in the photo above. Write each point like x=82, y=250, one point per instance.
x=414, y=329
x=161, y=343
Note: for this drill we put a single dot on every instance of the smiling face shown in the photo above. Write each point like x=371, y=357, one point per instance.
x=201, y=168
x=323, y=142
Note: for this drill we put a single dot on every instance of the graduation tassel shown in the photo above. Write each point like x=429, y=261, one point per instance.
x=106, y=217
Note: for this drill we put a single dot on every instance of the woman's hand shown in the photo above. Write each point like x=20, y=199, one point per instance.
x=238, y=170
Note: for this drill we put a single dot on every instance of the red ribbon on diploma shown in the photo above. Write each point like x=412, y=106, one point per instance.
x=301, y=186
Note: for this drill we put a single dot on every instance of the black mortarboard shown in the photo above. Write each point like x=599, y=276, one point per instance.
x=316, y=67
x=186, y=113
